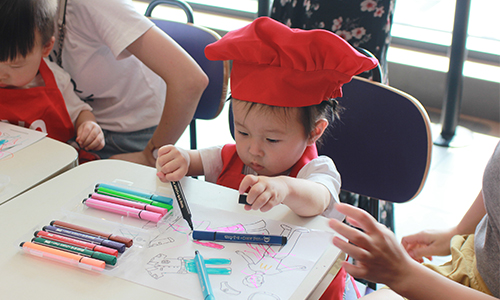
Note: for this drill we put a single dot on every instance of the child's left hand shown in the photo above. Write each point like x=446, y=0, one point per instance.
x=89, y=136
x=265, y=192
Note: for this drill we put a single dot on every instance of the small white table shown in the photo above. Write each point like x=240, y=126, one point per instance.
x=21, y=277
x=35, y=164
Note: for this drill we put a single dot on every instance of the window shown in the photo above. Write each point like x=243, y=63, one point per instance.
x=424, y=26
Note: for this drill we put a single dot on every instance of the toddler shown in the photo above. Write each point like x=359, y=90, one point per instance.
x=35, y=92
x=283, y=85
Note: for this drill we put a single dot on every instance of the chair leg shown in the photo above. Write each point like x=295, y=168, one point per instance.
x=192, y=133
x=375, y=208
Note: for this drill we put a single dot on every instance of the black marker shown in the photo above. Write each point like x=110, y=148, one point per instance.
x=181, y=200
x=243, y=200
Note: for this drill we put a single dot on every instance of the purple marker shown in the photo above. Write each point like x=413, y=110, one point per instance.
x=86, y=237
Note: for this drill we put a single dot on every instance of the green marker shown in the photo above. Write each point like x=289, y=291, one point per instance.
x=127, y=196
x=109, y=259
x=147, y=195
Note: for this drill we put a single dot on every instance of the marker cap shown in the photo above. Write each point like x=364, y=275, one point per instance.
x=150, y=216
x=109, y=259
x=116, y=245
x=204, y=235
x=121, y=239
x=163, y=199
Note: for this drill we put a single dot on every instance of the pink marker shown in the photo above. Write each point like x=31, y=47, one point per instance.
x=123, y=210
x=134, y=204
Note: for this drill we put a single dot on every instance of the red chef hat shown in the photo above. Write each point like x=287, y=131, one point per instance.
x=279, y=66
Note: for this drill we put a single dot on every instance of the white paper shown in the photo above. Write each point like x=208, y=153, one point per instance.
x=14, y=138
x=255, y=271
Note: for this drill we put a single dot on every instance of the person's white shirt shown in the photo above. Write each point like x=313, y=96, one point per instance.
x=125, y=94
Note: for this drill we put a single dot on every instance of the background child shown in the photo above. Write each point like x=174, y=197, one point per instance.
x=474, y=245
x=34, y=92
x=282, y=84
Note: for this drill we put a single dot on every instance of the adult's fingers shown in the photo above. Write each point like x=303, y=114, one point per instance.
x=361, y=218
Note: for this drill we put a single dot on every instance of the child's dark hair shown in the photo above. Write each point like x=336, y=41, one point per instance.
x=19, y=20
x=328, y=109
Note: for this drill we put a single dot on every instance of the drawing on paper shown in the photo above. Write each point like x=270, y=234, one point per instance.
x=237, y=270
x=14, y=138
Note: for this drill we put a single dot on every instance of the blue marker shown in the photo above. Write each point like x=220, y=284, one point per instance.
x=151, y=196
x=206, y=288
x=239, y=237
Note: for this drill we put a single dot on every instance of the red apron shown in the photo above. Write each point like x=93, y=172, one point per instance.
x=41, y=108
x=231, y=175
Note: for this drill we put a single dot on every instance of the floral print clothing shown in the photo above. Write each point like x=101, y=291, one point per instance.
x=362, y=23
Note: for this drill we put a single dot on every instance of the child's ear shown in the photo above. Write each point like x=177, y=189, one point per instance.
x=48, y=47
x=317, y=132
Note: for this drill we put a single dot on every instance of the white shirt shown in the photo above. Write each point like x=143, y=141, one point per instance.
x=321, y=170
x=125, y=94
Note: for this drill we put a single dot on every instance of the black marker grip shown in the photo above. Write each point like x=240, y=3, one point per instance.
x=181, y=200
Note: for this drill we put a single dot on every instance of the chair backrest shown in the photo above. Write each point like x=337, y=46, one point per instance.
x=194, y=39
x=179, y=3
x=382, y=144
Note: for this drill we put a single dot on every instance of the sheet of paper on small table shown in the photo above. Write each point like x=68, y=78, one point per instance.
x=14, y=138
x=244, y=271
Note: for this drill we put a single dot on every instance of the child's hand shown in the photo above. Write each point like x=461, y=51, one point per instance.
x=172, y=163
x=265, y=192
x=89, y=136
x=428, y=243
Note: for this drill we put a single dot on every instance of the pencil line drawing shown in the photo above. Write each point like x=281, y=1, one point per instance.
x=237, y=270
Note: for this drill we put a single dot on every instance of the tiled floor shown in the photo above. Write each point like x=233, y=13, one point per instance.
x=452, y=184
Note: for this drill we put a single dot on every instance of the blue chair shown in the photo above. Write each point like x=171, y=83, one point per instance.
x=194, y=39
x=382, y=144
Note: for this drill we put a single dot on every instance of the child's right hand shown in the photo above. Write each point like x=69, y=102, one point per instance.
x=89, y=136
x=172, y=163
x=428, y=243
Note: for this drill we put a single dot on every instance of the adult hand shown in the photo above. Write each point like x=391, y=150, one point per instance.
x=428, y=243
x=378, y=256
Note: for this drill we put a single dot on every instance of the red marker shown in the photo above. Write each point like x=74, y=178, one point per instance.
x=75, y=242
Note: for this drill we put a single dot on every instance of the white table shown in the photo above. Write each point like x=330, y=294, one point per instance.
x=35, y=164
x=22, y=277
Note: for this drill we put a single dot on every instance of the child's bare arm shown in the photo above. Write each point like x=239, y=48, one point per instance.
x=89, y=134
x=173, y=163
x=304, y=197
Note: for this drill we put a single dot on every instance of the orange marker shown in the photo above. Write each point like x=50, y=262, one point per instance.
x=63, y=256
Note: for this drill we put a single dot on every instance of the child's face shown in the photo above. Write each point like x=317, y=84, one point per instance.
x=22, y=70
x=269, y=142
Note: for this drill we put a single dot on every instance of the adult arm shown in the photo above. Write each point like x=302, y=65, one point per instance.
x=379, y=258
x=185, y=81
